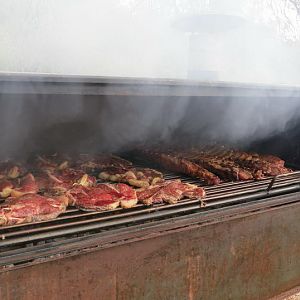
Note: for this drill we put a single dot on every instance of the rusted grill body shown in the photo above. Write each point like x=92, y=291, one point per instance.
x=242, y=242
x=75, y=225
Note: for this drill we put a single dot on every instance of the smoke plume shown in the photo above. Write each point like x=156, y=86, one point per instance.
x=126, y=38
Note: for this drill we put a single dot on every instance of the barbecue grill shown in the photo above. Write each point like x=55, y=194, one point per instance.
x=240, y=242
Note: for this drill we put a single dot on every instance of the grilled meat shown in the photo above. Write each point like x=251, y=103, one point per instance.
x=181, y=165
x=259, y=165
x=223, y=167
x=6, y=187
x=60, y=181
x=27, y=185
x=238, y=165
x=92, y=163
x=103, y=196
x=30, y=208
x=170, y=192
x=51, y=162
x=138, y=177
x=11, y=170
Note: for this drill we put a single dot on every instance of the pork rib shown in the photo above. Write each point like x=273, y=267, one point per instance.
x=259, y=165
x=181, y=165
x=226, y=169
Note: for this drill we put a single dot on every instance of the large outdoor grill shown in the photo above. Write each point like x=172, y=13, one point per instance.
x=240, y=242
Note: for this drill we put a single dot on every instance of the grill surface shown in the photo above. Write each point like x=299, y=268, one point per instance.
x=75, y=225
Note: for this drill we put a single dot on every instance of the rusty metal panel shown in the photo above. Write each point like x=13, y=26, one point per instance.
x=251, y=257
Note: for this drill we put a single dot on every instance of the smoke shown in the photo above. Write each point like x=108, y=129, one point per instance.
x=240, y=121
x=142, y=39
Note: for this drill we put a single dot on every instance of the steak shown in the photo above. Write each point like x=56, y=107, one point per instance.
x=6, y=187
x=178, y=164
x=51, y=162
x=170, y=191
x=27, y=185
x=103, y=196
x=62, y=180
x=30, y=208
x=138, y=177
x=97, y=162
x=11, y=170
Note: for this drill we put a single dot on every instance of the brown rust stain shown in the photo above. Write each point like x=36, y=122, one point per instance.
x=249, y=258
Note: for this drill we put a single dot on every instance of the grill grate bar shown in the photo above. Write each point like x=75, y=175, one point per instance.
x=75, y=222
x=106, y=224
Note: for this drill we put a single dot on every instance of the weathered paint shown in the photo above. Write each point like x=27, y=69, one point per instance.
x=251, y=257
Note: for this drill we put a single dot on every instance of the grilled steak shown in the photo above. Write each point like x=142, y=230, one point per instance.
x=102, y=196
x=30, y=208
x=272, y=159
x=170, y=192
x=51, y=162
x=11, y=170
x=27, y=185
x=6, y=187
x=91, y=163
x=61, y=181
x=138, y=177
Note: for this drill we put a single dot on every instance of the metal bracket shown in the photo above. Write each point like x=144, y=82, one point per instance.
x=271, y=183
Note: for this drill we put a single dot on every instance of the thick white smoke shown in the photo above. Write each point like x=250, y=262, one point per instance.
x=142, y=39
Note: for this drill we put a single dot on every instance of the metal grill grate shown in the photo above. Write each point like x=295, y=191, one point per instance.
x=75, y=224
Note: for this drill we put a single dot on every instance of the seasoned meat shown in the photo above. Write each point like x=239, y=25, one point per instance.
x=103, y=196
x=30, y=208
x=170, y=191
x=6, y=187
x=27, y=185
x=91, y=163
x=181, y=165
x=11, y=170
x=63, y=180
x=138, y=177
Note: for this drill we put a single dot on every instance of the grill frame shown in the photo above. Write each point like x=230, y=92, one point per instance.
x=22, y=274
x=77, y=232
